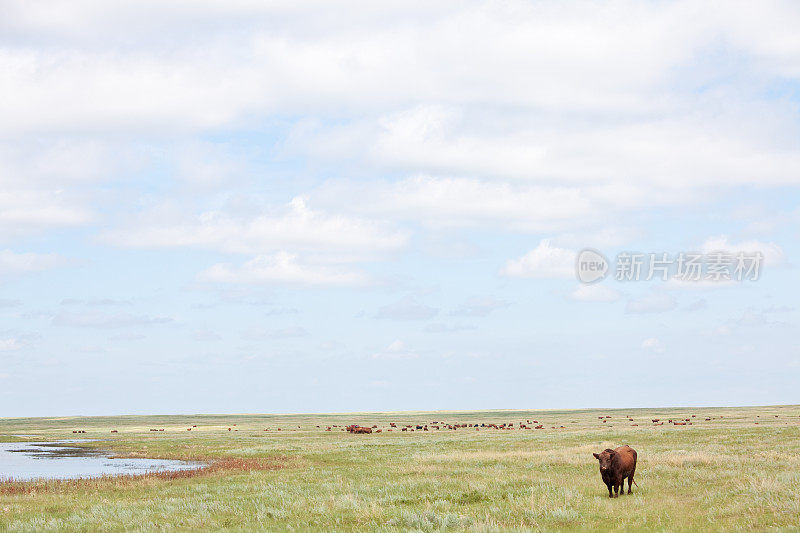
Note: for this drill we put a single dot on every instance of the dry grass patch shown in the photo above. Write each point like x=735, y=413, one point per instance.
x=213, y=467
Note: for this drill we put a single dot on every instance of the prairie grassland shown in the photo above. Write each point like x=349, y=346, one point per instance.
x=740, y=470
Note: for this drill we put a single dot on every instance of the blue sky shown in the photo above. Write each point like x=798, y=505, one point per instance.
x=284, y=207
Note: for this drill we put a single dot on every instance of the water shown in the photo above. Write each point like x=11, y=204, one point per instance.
x=26, y=461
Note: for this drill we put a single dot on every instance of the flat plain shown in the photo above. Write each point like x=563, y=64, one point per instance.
x=725, y=469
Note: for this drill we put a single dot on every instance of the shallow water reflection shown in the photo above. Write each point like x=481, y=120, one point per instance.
x=26, y=461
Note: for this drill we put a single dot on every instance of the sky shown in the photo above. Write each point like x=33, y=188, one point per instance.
x=282, y=207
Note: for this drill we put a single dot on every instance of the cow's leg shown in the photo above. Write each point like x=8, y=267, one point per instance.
x=630, y=480
x=616, y=489
x=610, y=495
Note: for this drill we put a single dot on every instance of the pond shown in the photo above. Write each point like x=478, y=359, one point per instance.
x=27, y=461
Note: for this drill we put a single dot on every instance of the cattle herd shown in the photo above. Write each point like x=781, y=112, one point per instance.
x=477, y=426
x=616, y=464
x=439, y=426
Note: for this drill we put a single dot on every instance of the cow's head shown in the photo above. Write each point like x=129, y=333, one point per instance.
x=605, y=458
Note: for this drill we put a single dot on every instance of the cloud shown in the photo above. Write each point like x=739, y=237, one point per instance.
x=106, y=320
x=19, y=263
x=120, y=71
x=10, y=344
x=654, y=345
x=773, y=254
x=406, y=310
x=479, y=306
x=281, y=268
x=653, y=302
x=544, y=261
x=293, y=226
x=454, y=202
x=9, y=302
x=594, y=293
x=396, y=350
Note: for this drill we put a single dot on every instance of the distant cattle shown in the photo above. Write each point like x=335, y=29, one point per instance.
x=615, y=466
x=355, y=428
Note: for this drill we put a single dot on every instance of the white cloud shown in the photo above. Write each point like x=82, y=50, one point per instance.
x=294, y=226
x=9, y=344
x=594, y=293
x=467, y=202
x=544, y=261
x=396, y=350
x=19, y=263
x=103, y=69
x=281, y=268
x=653, y=344
x=773, y=254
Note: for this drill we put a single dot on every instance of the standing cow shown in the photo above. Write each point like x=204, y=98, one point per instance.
x=615, y=466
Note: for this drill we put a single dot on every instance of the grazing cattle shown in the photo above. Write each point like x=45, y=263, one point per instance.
x=615, y=466
x=404, y=429
x=392, y=424
x=114, y=431
x=355, y=428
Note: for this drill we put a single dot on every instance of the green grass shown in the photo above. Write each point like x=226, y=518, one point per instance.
x=724, y=474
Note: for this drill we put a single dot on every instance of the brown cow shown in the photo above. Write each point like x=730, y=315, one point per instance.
x=615, y=466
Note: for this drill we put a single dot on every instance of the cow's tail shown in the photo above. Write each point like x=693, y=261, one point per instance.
x=634, y=482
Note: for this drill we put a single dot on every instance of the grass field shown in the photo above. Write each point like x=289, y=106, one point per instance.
x=739, y=470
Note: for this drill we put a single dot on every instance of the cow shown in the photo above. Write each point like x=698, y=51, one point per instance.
x=615, y=466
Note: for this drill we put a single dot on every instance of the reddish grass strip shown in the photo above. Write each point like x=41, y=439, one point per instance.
x=214, y=466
